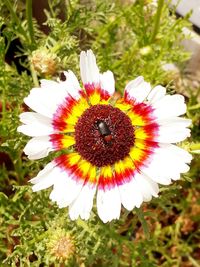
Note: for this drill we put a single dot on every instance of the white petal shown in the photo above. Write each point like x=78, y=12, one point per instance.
x=130, y=195
x=45, y=177
x=172, y=134
x=157, y=93
x=72, y=85
x=161, y=179
x=107, y=82
x=30, y=117
x=48, y=168
x=134, y=83
x=167, y=162
x=48, y=84
x=175, y=121
x=66, y=189
x=137, y=89
x=35, y=124
x=172, y=130
x=34, y=130
x=82, y=205
x=146, y=186
x=108, y=204
x=169, y=106
x=45, y=100
x=38, y=147
x=181, y=153
x=88, y=68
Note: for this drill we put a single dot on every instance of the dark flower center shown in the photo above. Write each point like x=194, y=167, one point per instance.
x=104, y=135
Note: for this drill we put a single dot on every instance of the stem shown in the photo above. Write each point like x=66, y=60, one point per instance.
x=3, y=86
x=18, y=169
x=142, y=20
x=193, y=261
x=197, y=106
x=34, y=76
x=29, y=18
x=144, y=223
x=3, y=99
x=157, y=20
x=195, y=146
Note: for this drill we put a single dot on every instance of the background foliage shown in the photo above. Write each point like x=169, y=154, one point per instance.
x=130, y=39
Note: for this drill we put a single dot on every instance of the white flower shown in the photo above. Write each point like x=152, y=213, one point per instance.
x=118, y=149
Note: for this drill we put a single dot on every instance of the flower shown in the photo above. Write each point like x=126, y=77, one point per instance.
x=61, y=245
x=119, y=148
x=44, y=61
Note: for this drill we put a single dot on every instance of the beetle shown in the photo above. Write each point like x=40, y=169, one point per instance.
x=104, y=131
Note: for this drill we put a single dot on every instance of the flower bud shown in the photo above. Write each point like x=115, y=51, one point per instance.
x=44, y=62
x=61, y=245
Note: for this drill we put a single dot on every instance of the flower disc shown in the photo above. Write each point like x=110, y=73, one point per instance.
x=104, y=135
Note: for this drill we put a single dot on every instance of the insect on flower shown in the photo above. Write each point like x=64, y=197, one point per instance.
x=104, y=131
x=117, y=149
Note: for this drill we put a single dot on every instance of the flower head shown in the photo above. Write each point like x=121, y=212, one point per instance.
x=44, y=62
x=61, y=245
x=116, y=148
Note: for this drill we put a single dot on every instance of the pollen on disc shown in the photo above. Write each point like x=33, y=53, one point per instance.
x=107, y=143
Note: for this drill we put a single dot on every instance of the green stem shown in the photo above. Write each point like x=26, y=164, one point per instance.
x=34, y=76
x=30, y=20
x=18, y=169
x=144, y=223
x=3, y=99
x=197, y=106
x=195, y=146
x=157, y=20
x=142, y=20
x=193, y=261
x=3, y=85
